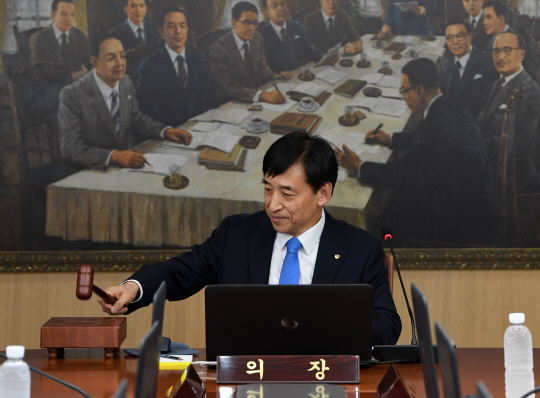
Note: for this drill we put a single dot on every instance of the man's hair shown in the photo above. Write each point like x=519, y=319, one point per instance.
x=500, y=8
x=126, y=2
x=242, y=7
x=167, y=10
x=96, y=43
x=468, y=27
x=54, y=4
x=314, y=154
x=520, y=39
x=422, y=72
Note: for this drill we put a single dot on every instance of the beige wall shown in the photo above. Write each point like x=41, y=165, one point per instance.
x=472, y=305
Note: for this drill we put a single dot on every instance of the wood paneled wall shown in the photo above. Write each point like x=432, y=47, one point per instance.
x=473, y=306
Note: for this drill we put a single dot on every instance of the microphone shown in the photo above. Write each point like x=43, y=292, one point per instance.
x=386, y=233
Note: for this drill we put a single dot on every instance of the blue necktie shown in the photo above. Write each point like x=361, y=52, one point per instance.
x=115, y=110
x=290, y=271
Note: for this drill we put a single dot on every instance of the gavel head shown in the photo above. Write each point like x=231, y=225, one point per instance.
x=85, y=282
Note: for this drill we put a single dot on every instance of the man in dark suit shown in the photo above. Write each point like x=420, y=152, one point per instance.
x=466, y=77
x=412, y=22
x=135, y=31
x=330, y=26
x=61, y=42
x=439, y=187
x=299, y=176
x=99, y=118
x=238, y=62
x=285, y=43
x=495, y=20
x=175, y=83
x=475, y=19
x=508, y=54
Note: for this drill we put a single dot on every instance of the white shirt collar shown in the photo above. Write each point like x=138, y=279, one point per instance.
x=505, y=28
x=239, y=42
x=309, y=238
x=105, y=89
x=508, y=78
x=58, y=33
x=431, y=103
x=477, y=18
x=278, y=28
x=135, y=27
x=173, y=54
x=463, y=60
x=326, y=17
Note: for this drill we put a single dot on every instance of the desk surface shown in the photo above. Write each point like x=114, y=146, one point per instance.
x=135, y=208
x=100, y=377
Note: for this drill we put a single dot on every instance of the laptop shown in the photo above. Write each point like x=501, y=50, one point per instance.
x=148, y=366
x=447, y=363
x=289, y=320
x=158, y=311
x=423, y=330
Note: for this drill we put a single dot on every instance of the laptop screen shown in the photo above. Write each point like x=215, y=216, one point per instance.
x=289, y=320
x=447, y=363
x=148, y=366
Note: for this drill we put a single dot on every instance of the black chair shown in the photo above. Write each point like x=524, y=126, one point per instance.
x=23, y=46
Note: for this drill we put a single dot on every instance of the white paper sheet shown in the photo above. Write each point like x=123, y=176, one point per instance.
x=331, y=76
x=160, y=163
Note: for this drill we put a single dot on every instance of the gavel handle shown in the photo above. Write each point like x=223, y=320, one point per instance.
x=104, y=296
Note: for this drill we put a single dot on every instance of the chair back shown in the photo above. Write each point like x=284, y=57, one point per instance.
x=23, y=46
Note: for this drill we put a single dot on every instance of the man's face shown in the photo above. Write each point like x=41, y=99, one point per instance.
x=458, y=40
x=507, y=62
x=246, y=26
x=64, y=16
x=277, y=11
x=492, y=23
x=175, y=31
x=111, y=63
x=411, y=95
x=136, y=11
x=473, y=7
x=329, y=6
x=290, y=202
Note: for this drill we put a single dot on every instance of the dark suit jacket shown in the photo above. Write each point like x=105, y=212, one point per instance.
x=231, y=72
x=526, y=139
x=317, y=31
x=45, y=48
x=473, y=89
x=408, y=23
x=124, y=33
x=86, y=131
x=159, y=92
x=239, y=251
x=302, y=51
x=441, y=182
x=480, y=38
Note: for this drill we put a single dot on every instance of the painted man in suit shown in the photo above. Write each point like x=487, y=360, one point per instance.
x=285, y=43
x=439, y=188
x=175, y=83
x=61, y=42
x=238, y=62
x=466, y=77
x=330, y=26
x=508, y=54
x=300, y=173
x=135, y=31
x=411, y=22
x=495, y=20
x=99, y=118
x=475, y=19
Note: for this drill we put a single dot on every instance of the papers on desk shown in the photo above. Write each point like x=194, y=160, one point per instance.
x=206, y=127
x=330, y=55
x=232, y=116
x=278, y=107
x=223, y=141
x=354, y=141
x=406, y=5
x=286, y=87
x=382, y=106
x=160, y=163
x=342, y=174
x=309, y=89
x=331, y=75
x=406, y=39
x=380, y=79
x=436, y=51
x=175, y=362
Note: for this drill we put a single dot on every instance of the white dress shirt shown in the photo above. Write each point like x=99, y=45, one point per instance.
x=135, y=29
x=476, y=19
x=278, y=28
x=463, y=61
x=58, y=33
x=508, y=78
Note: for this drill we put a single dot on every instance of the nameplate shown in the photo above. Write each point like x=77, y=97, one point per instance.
x=288, y=368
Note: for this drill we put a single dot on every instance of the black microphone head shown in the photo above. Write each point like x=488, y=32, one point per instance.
x=386, y=233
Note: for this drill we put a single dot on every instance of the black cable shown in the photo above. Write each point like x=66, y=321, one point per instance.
x=64, y=383
x=531, y=392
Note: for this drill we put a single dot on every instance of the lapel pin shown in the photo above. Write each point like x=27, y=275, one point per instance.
x=336, y=256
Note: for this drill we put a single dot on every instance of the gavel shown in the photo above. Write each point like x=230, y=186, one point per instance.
x=85, y=285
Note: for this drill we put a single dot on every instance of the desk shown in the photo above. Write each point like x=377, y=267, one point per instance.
x=135, y=208
x=99, y=377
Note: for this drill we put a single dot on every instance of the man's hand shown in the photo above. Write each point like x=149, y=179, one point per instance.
x=178, y=135
x=272, y=97
x=419, y=10
x=285, y=74
x=385, y=31
x=354, y=47
x=124, y=295
x=333, y=61
x=128, y=158
x=348, y=159
x=378, y=138
x=80, y=73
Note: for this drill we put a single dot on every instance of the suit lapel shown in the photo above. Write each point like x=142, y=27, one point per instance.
x=125, y=101
x=332, y=252
x=501, y=98
x=235, y=53
x=98, y=104
x=470, y=70
x=261, y=244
